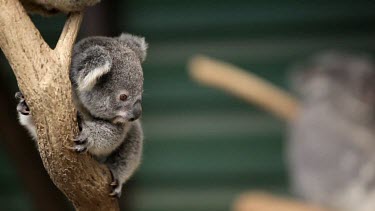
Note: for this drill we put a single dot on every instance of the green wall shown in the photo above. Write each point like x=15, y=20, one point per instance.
x=203, y=146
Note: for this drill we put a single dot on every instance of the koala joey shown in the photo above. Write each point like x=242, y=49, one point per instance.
x=331, y=151
x=107, y=83
x=51, y=7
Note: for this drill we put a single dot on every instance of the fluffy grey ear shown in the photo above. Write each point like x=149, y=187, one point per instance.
x=137, y=44
x=89, y=66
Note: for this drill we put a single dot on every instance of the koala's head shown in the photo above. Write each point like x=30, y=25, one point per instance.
x=336, y=74
x=107, y=76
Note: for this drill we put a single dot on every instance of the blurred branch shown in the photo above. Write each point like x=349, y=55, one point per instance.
x=258, y=201
x=42, y=76
x=244, y=85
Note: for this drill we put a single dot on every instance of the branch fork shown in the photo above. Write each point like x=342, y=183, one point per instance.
x=42, y=76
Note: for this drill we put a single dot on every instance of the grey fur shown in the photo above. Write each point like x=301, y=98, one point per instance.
x=331, y=151
x=111, y=129
x=138, y=45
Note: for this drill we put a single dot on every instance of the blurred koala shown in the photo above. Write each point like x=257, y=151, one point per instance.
x=331, y=151
x=51, y=7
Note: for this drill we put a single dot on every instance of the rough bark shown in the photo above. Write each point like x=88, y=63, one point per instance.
x=42, y=76
x=23, y=156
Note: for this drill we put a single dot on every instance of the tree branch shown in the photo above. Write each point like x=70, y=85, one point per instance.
x=244, y=85
x=258, y=201
x=16, y=32
x=79, y=177
x=68, y=35
x=64, y=46
x=16, y=142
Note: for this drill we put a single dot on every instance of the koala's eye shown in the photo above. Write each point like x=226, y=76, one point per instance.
x=123, y=97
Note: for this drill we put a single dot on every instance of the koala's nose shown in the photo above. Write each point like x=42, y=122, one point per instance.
x=137, y=112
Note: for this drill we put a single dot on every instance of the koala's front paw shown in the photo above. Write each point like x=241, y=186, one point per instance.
x=19, y=96
x=22, y=107
x=80, y=143
x=116, y=186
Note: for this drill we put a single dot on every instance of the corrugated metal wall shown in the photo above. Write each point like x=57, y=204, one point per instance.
x=203, y=146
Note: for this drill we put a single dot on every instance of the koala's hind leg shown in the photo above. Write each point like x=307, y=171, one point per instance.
x=24, y=114
x=125, y=160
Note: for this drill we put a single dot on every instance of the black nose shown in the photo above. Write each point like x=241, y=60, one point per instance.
x=137, y=112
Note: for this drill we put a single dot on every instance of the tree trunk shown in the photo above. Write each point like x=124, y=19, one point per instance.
x=24, y=156
x=42, y=76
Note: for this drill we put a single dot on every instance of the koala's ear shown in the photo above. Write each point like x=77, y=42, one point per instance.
x=137, y=44
x=298, y=74
x=89, y=66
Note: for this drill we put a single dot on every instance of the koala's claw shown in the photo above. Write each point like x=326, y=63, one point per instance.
x=115, y=193
x=79, y=141
x=115, y=186
x=81, y=144
x=22, y=107
x=19, y=96
x=116, y=189
x=114, y=183
x=80, y=148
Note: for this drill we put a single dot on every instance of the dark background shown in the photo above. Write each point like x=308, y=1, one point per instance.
x=202, y=147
